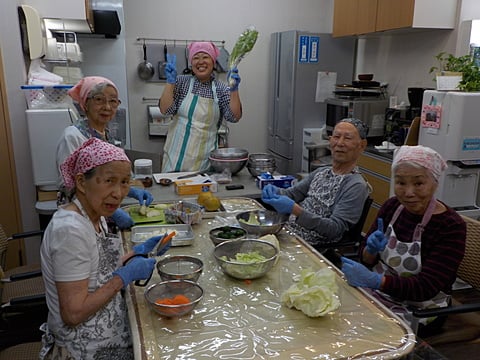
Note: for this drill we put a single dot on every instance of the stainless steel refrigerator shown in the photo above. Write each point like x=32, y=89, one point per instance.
x=296, y=59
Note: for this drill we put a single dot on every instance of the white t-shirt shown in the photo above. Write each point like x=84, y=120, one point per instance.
x=68, y=253
x=70, y=140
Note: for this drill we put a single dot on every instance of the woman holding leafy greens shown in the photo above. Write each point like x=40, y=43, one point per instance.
x=198, y=103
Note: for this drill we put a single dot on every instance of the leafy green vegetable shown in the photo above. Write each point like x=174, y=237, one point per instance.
x=314, y=294
x=243, y=46
x=247, y=258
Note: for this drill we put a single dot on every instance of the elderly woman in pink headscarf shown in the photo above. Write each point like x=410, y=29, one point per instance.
x=98, y=98
x=417, y=242
x=198, y=103
x=83, y=265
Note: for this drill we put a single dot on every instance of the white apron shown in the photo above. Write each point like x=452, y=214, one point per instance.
x=193, y=133
x=106, y=334
x=404, y=259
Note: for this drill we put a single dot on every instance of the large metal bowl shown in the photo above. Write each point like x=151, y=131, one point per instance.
x=233, y=165
x=157, y=294
x=180, y=267
x=261, y=222
x=229, y=153
x=226, y=256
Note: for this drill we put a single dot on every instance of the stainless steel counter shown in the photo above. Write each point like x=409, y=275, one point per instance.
x=167, y=193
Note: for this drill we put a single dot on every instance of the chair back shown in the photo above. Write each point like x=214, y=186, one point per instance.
x=469, y=269
x=354, y=235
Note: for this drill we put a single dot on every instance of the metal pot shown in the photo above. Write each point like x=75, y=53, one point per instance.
x=145, y=69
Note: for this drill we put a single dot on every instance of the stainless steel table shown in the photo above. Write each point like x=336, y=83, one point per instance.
x=246, y=320
x=167, y=193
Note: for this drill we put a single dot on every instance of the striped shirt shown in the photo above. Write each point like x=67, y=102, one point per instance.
x=203, y=89
x=443, y=247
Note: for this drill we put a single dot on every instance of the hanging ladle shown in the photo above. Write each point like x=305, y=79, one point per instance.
x=145, y=69
x=187, y=70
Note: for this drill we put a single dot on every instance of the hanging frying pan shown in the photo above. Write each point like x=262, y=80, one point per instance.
x=145, y=69
x=161, y=64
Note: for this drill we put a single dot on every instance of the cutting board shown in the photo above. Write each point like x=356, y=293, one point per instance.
x=140, y=219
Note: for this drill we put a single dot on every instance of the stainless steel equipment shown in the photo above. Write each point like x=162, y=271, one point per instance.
x=297, y=58
x=370, y=110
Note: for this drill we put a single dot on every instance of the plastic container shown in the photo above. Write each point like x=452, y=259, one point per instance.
x=47, y=97
x=142, y=168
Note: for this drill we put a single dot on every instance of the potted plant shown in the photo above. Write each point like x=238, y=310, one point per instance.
x=454, y=73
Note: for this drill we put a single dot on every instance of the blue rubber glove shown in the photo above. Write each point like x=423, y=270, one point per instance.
x=270, y=191
x=171, y=68
x=233, y=79
x=147, y=246
x=359, y=275
x=138, y=268
x=377, y=240
x=122, y=219
x=141, y=195
x=283, y=204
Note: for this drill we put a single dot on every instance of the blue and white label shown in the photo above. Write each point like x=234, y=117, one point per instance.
x=314, y=44
x=471, y=144
x=303, y=48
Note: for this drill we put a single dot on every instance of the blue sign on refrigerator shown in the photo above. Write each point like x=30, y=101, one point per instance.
x=303, y=49
x=308, y=49
x=313, y=49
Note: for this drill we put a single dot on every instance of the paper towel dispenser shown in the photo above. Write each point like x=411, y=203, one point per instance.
x=105, y=22
x=157, y=122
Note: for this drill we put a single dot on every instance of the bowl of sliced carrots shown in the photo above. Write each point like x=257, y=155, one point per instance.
x=173, y=298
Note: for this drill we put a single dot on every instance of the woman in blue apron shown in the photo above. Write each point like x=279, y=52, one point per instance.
x=417, y=242
x=198, y=103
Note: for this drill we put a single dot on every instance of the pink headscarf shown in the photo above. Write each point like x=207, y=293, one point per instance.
x=203, y=46
x=422, y=156
x=82, y=89
x=93, y=152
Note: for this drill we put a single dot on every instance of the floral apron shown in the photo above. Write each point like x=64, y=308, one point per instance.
x=193, y=134
x=404, y=259
x=106, y=334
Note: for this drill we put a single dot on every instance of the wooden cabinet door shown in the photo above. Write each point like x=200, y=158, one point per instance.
x=345, y=17
x=9, y=205
x=366, y=16
x=395, y=14
x=354, y=17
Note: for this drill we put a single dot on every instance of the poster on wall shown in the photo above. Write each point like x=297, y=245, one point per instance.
x=431, y=116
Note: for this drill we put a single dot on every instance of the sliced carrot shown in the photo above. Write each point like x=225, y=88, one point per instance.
x=181, y=299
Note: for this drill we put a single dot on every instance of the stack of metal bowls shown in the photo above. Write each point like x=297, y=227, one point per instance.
x=232, y=159
x=259, y=163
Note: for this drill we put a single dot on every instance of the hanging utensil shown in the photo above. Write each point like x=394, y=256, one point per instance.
x=162, y=64
x=187, y=70
x=145, y=69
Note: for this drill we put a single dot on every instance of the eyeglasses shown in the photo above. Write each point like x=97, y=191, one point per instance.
x=102, y=100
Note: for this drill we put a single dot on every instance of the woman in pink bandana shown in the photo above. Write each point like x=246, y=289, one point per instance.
x=82, y=262
x=98, y=98
x=413, y=249
x=198, y=103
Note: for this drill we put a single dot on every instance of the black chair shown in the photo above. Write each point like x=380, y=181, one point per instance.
x=348, y=245
x=23, y=305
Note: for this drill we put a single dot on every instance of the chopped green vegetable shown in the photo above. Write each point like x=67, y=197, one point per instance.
x=242, y=47
x=314, y=293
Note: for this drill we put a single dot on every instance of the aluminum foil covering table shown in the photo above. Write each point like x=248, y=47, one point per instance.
x=239, y=319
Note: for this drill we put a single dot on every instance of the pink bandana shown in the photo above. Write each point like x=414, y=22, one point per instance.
x=421, y=156
x=203, y=46
x=92, y=153
x=82, y=89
